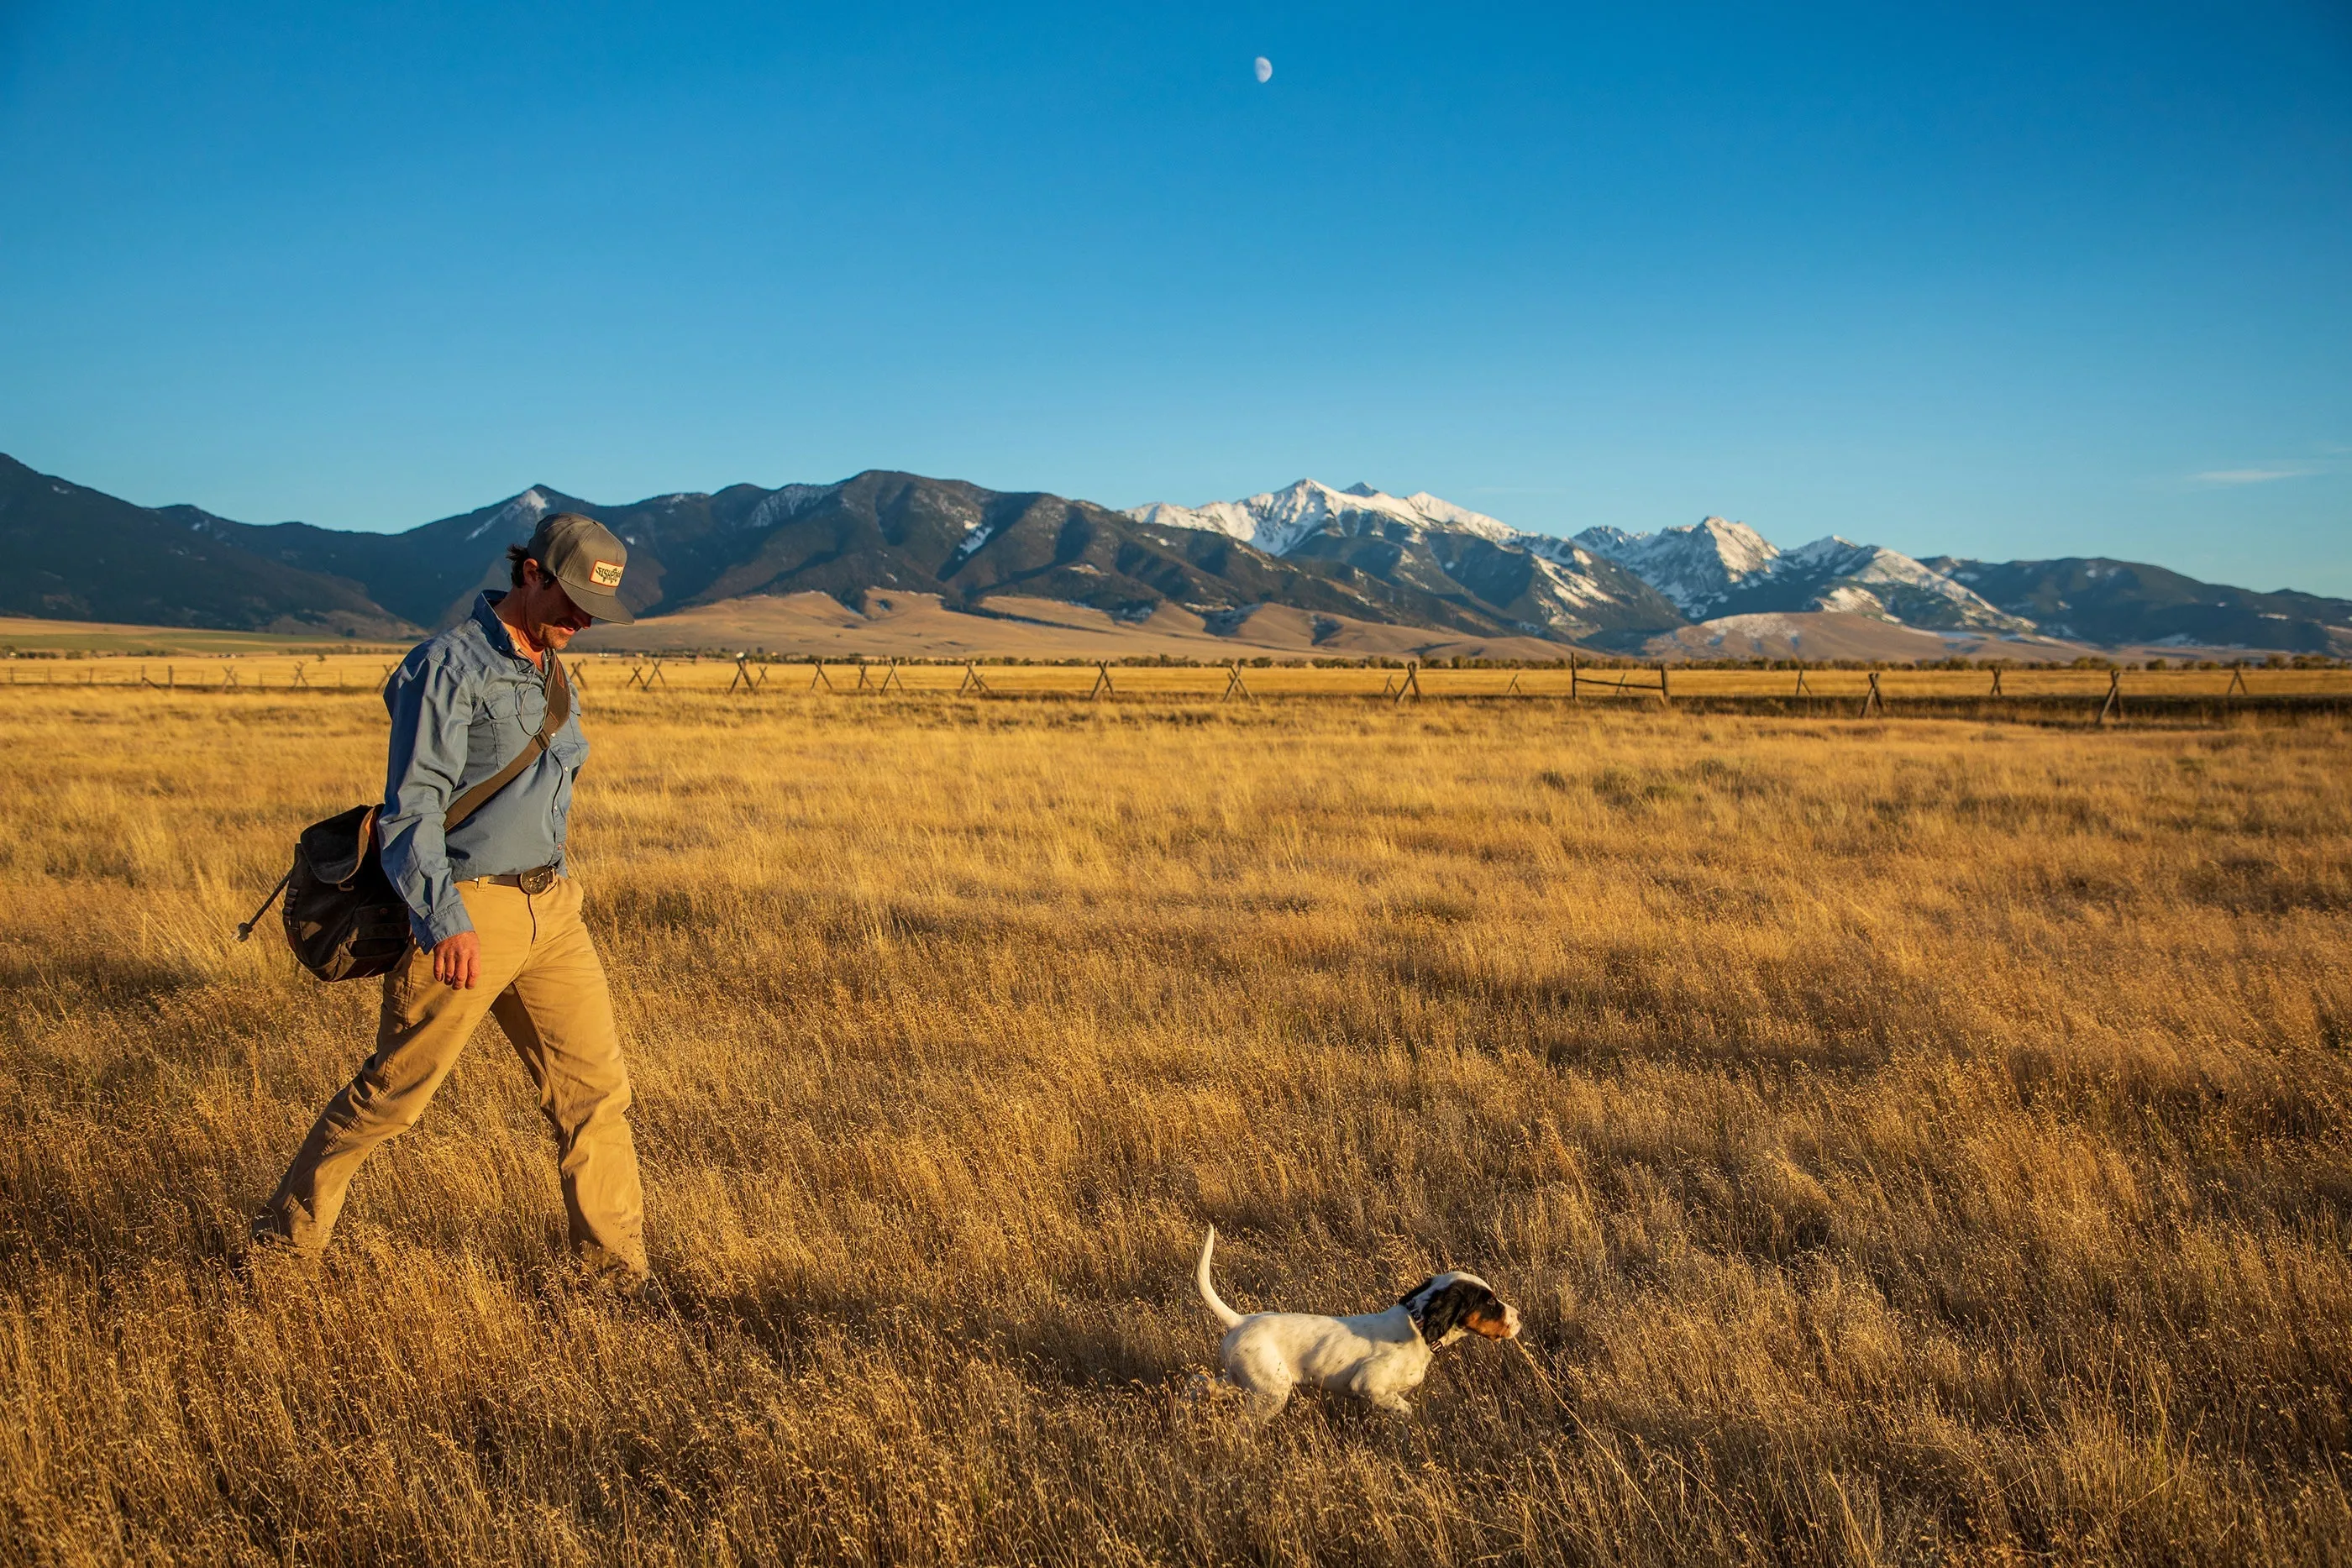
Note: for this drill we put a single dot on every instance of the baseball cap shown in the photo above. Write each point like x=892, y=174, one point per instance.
x=585, y=557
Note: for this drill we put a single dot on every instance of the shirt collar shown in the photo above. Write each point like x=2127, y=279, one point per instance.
x=486, y=616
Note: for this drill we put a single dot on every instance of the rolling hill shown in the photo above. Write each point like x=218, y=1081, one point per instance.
x=77, y=554
x=2114, y=602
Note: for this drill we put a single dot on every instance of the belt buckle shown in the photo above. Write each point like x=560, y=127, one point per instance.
x=537, y=880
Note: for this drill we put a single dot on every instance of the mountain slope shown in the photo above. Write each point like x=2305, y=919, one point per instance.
x=2121, y=601
x=877, y=530
x=905, y=531
x=1713, y=568
x=1836, y=574
x=420, y=574
x=74, y=553
x=1439, y=553
x=1695, y=567
x=1357, y=555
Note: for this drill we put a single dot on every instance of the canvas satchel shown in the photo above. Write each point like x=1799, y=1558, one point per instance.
x=343, y=918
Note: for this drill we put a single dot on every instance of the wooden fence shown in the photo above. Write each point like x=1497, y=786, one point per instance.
x=2103, y=694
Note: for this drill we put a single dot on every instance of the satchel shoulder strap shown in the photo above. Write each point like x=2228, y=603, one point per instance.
x=558, y=710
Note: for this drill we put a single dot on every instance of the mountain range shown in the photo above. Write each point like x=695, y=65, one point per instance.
x=1355, y=554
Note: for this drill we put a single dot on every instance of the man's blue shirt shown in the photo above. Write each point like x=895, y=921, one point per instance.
x=463, y=703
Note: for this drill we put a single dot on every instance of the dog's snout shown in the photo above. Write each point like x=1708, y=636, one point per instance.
x=1510, y=1320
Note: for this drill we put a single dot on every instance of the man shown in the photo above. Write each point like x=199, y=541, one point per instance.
x=495, y=915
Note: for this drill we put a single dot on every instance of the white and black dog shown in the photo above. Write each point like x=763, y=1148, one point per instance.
x=1377, y=1356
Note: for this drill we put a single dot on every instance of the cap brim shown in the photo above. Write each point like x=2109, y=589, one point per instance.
x=598, y=602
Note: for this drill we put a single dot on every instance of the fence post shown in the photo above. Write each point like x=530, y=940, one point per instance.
x=1412, y=685
x=1102, y=682
x=971, y=681
x=1233, y=682
x=888, y=675
x=1996, y=682
x=2237, y=683
x=2114, y=706
x=1802, y=690
x=821, y=678
x=1665, y=697
x=1874, y=702
x=1573, y=695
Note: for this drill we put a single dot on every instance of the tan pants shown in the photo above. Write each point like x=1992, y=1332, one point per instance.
x=540, y=977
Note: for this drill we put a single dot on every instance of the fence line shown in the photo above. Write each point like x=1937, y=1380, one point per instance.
x=1662, y=687
x=2121, y=697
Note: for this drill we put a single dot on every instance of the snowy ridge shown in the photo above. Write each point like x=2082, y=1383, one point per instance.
x=1427, y=544
x=1869, y=564
x=520, y=515
x=1277, y=520
x=783, y=505
x=1572, y=587
x=1714, y=569
x=1696, y=566
x=1711, y=568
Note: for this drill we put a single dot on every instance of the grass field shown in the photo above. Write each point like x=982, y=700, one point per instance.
x=1908, y=1143
x=625, y=673
x=100, y=638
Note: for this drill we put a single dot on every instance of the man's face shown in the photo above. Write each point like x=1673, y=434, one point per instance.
x=549, y=614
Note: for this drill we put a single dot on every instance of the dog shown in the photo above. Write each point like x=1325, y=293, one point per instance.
x=1380, y=1357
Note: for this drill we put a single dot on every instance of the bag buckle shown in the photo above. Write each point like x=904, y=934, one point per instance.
x=537, y=880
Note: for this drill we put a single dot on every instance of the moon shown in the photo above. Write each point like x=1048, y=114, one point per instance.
x=1265, y=68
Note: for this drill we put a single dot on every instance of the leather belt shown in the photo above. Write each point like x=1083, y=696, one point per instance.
x=537, y=880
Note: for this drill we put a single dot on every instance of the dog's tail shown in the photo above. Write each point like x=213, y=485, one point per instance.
x=1225, y=1314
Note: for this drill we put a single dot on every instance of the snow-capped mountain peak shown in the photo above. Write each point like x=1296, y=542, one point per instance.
x=1715, y=566
x=1453, y=516
x=1894, y=584
x=780, y=505
x=1710, y=568
x=1697, y=565
x=1426, y=545
x=1277, y=520
x=520, y=513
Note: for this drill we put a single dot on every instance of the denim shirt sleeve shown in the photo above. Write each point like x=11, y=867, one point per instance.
x=431, y=709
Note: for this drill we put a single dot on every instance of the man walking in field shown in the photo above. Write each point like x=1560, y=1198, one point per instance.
x=494, y=915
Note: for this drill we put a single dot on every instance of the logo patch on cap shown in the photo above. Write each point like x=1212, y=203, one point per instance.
x=606, y=574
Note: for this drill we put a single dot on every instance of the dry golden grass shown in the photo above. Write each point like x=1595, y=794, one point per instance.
x=613, y=675
x=1920, y=1141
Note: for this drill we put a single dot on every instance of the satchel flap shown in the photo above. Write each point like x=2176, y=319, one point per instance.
x=336, y=848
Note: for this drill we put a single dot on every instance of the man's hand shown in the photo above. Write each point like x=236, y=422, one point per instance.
x=457, y=960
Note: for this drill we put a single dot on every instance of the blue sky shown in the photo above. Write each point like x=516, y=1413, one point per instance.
x=2003, y=281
